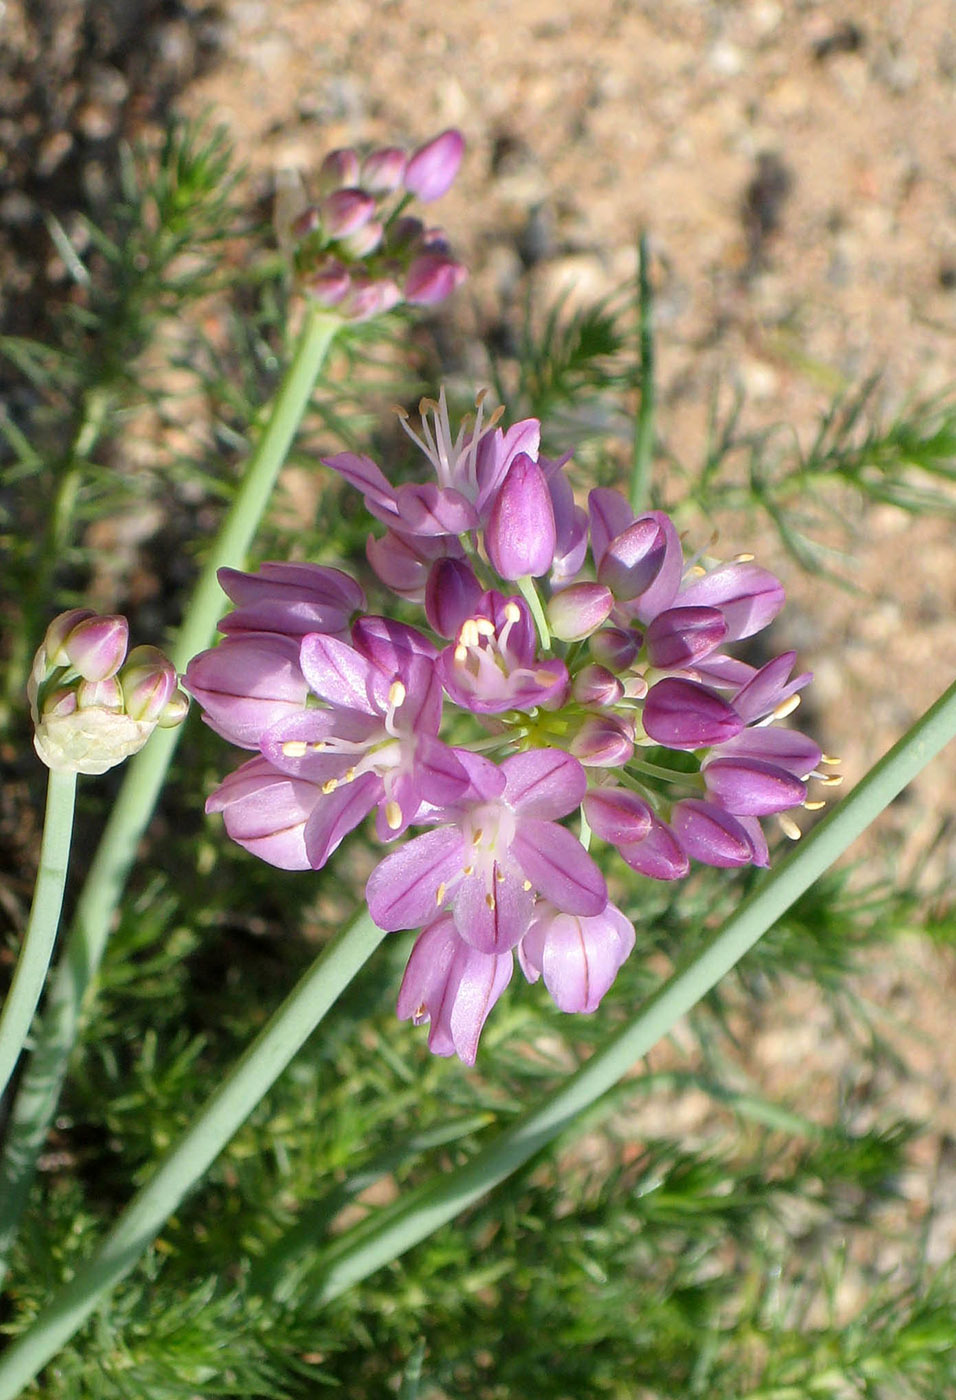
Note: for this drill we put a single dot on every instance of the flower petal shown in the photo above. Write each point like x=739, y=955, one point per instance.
x=408, y=887
x=558, y=865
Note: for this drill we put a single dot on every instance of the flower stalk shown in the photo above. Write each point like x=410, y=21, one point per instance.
x=21, y=1000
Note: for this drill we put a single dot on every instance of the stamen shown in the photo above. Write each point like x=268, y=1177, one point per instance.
x=484, y=626
x=829, y=760
x=393, y=815
x=468, y=870
x=744, y=558
x=396, y=694
x=786, y=707
x=330, y=785
x=814, y=806
x=526, y=884
x=789, y=827
x=490, y=901
x=349, y=776
x=421, y=1015
x=831, y=780
x=476, y=836
x=440, y=894
x=295, y=748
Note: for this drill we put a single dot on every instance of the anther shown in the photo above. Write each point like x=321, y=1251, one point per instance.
x=814, y=806
x=485, y=627
x=349, y=776
x=512, y=611
x=744, y=558
x=295, y=748
x=786, y=707
x=831, y=780
x=440, y=894
x=526, y=884
x=789, y=827
x=396, y=694
x=330, y=785
x=393, y=815
x=829, y=760
x=476, y=836
x=490, y=901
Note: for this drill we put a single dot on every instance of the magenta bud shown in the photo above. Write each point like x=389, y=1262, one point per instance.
x=96, y=646
x=681, y=714
x=404, y=234
x=751, y=787
x=451, y=595
x=633, y=559
x=148, y=680
x=711, y=835
x=100, y=695
x=594, y=685
x=433, y=167
x=431, y=278
x=338, y=169
x=680, y=636
x=370, y=297
x=307, y=221
x=248, y=683
x=602, y=741
x=59, y=703
x=329, y=284
x=520, y=534
x=345, y=211
x=292, y=598
x=579, y=610
x=615, y=647
x=383, y=170
x=363, y=241
x=617, y=815
x=58, y=631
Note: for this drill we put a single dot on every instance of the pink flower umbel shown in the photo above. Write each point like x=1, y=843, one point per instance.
x=571, y=675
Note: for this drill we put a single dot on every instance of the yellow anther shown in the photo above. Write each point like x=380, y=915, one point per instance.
x=393, y=814
x=440, y=894
x=526, y=884
x=831, y=780
x=814, y=806
x=402, y=412
x=421, y=1015
x=476, y=836
x=490, y=901
x=484, y=626
x=295, y=748
x=512, y=611
x=349, y=776
x=789, y=827
x=396, y=694
x=744, y=558
x=500, y=876
x=468, y=635
x=468, y=870
x=698, y=571
x=425, y=406
x=786, y=707
x=829, y=760
x=497, y=416
x=330, y=785
x=461, y=654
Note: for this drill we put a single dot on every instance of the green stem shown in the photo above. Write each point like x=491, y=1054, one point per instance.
x=388, y=1234
x=532, y=598
x=253, y=1076
x=21, y=1000
x=644, y=426
x=40, y=1088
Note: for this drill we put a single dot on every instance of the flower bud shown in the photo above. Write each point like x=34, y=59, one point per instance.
x=148, y=681
x=681, y=636
x=95, y=646
x=451, y=595
x=615, y=647
x=58, y=631
x=431, y=278
x=174, y=711
x=330, y=283
x=100, y=695
x=433, y=167
x=579, y=610
x=338, y=169
x=684, y=715
x=363, y=241
x=383, y=170
x=593, y=685
x=345, y=211
x=602, y=741
x=578, y=955
x=520, y=534
x=370, y=297
x=453, y=986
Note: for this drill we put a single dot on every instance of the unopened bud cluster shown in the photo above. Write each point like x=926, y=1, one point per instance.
x=354, y=249
x=570, y=664
x=93, y=702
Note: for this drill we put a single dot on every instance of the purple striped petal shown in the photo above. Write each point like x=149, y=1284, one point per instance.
x=749, y=597
x=452, y=986
x=337, y=672
x=617, y=815
x=559, y=867
x=787, y=748
x=544, y=783
x=338, y=813
x=679, y=637
x=266, y=812
x=520, y=534
x=610, y=515
x=408, y=887
x=493, y=909
x=752, y=787
x=658, y=855
x=711, y=835
x=579, y=957
x=769, y=686
x=362, y=473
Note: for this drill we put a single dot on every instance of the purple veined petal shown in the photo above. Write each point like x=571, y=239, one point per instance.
x=761, y=856
x=658, y=855
x=337, y=672
x=579, y=957
x=751, y=787
x=362, y=473
x=399, y=565
x=247, y=684
x=544, y=783
x=400, y=804
x=711, y=835
x=427, y=509
x=769, y=686
x=610, y=516
x=748, y=596
x=453, y=986
x=557, y=864
x=432, y=168
x=681, y=714
x=442, y=776
x=388, y=644
x=290, y=598
x=451, y=595
x=337, y=813
x=410, y=885
x=680, y=637
x=617, y=815
x=265, y=812
x=486, y=780
x=632, y=560
x=571, y=549
x=786, y=748
x=724, y=672
x=298, y=744
x=493, y=909
x=520, y=534
x=596, y=685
